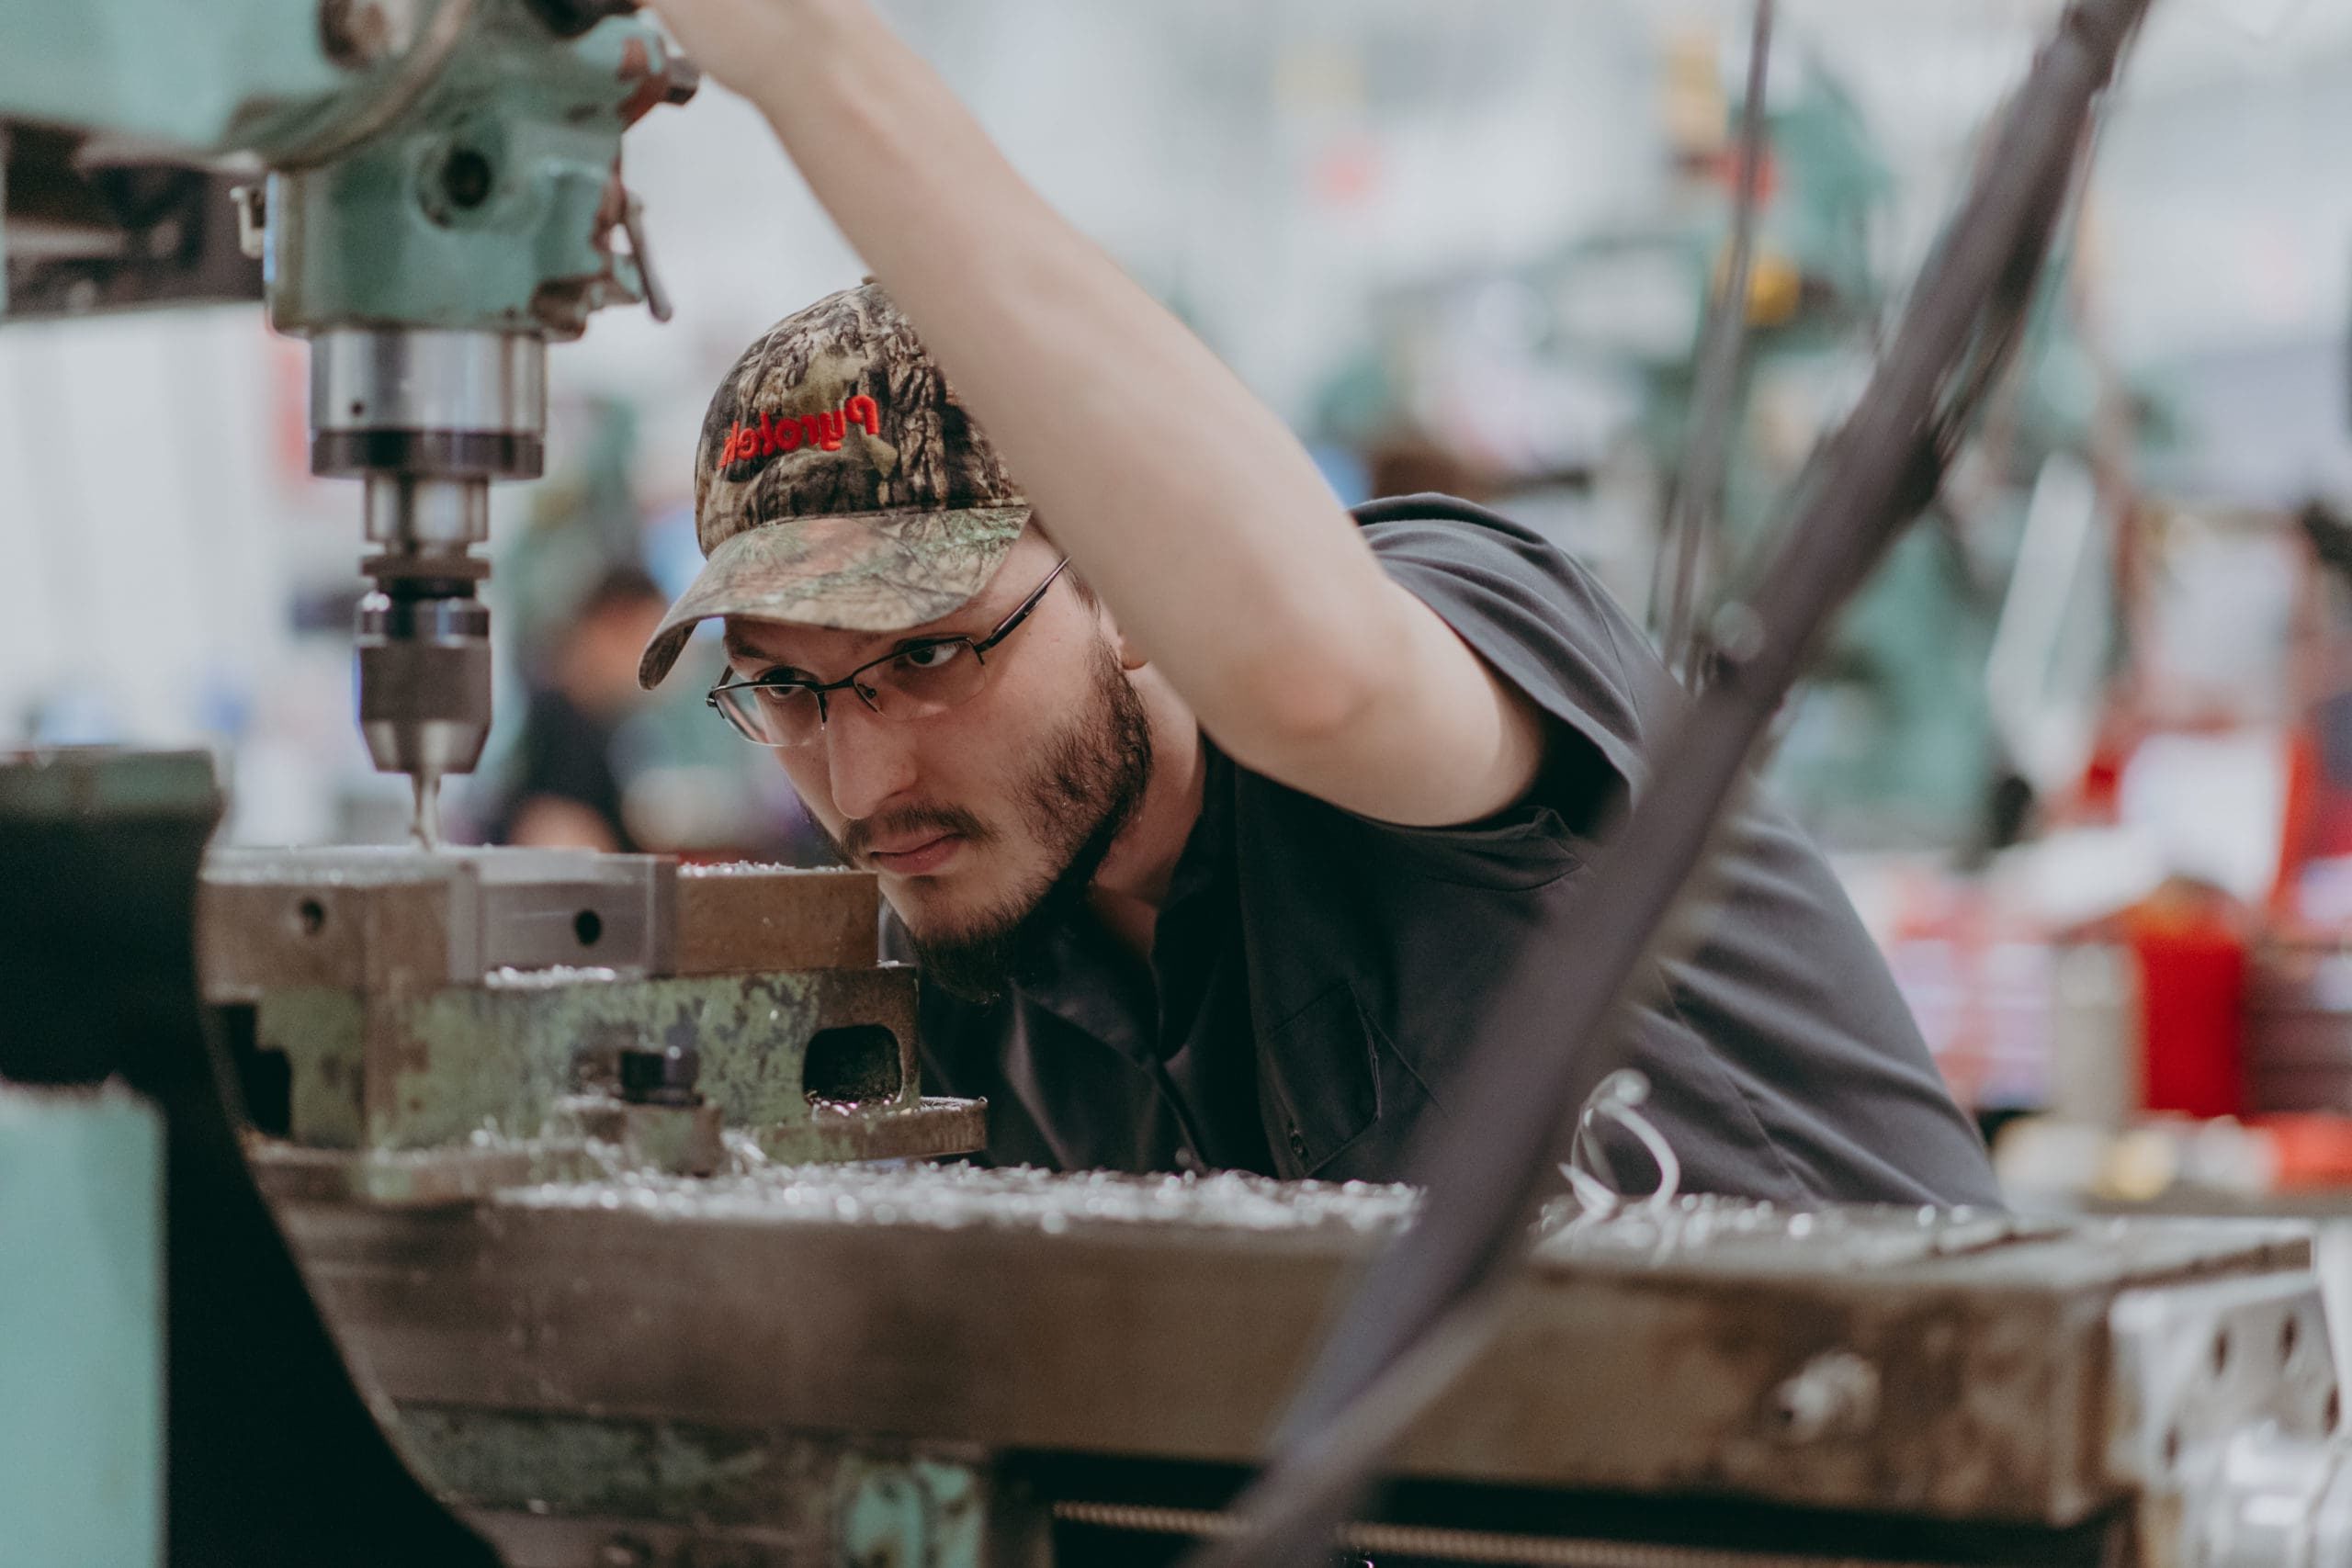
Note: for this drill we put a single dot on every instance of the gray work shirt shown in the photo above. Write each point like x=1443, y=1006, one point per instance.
x=1317, y=976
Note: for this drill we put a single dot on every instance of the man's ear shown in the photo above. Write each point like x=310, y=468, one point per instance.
x=1131, y=658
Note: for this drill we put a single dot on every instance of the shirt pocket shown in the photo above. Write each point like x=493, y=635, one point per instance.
x=1321, y=1076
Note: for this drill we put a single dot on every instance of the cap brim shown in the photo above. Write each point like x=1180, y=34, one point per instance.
x=878, y=571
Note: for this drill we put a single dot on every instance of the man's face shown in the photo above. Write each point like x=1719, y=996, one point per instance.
x=975, y=816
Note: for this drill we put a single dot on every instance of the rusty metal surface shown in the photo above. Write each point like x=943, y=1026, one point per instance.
x=737, y=918
x=421, y=1001
x=615, y=1143
x=1455, y=1546
x=379, y=919
x=924, y=1128
x=1168, y=1317
x=423, y=1178
x=254, y=937
x=555, y=1491
x=439, y=1069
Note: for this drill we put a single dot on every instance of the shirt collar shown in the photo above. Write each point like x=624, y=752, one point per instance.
x=1077, y=971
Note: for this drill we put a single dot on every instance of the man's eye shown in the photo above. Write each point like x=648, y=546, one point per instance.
x=931, y=656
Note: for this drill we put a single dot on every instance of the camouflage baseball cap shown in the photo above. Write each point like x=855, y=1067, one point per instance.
x=839, y=483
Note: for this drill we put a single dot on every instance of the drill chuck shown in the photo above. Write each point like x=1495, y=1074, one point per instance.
x=424, y=679
x=427, y=418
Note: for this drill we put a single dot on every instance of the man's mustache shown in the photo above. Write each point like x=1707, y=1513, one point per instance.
x=857, y=837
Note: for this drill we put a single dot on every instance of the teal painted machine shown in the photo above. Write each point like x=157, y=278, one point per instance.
x=433, y=190
x=82, y=1374
x=428, y=192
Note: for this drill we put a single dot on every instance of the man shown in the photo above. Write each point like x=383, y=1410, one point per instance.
x=566, y=790
x=1213, y=838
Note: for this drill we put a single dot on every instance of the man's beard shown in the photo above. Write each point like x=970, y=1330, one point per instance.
x=1081, y=794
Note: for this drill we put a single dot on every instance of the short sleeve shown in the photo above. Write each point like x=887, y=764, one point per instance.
x=1542, y=622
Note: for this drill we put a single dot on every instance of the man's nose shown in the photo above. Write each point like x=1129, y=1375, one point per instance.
x=868, y=761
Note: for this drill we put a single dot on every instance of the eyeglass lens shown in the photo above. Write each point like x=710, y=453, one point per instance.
x=912, y=685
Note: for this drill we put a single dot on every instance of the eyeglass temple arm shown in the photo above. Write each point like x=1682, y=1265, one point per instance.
x=1021, y=611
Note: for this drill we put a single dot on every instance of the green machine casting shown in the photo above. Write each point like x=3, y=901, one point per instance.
x=433, y=190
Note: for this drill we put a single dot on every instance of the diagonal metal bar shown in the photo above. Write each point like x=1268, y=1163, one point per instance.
x=1484, y=1166
x=1697, y=492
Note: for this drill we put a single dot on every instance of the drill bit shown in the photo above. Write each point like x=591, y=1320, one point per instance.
x=425, y=826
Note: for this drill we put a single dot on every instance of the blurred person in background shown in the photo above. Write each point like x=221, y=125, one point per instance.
x=565, y=790
x=1219, y=820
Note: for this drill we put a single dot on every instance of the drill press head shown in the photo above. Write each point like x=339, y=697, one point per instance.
x=444, y=199
x=430, y=262
x=426, y=419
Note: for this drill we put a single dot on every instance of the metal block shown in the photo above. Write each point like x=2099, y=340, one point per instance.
x=737, y=919
x=381, y=920
x=925, y=1128
x=2201, y=1361
x=1095, y=1314
x=397, y=920
x=2200, y=1367
x=430, y=1010
x=417, y=1071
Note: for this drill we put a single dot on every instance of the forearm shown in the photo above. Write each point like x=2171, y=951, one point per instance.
x=1186, y=503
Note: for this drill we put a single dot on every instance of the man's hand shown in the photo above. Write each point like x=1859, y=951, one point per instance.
x=1189, y=506
x=727, y=37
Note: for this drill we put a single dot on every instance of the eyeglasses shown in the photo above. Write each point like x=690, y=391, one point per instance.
x=914, y=683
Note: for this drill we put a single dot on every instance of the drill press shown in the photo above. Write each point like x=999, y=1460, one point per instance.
x=442, y=200
x=426, y=419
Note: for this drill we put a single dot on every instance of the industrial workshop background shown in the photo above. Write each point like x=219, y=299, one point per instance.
x=1462, y=240
x=2080, y=750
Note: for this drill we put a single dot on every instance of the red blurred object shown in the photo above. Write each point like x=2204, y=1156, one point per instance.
x=1722, y=168
x=2313, y=1150
x=2192, y=958
x=1347, y=172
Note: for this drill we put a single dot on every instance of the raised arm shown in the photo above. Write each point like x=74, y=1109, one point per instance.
x=1188, y=505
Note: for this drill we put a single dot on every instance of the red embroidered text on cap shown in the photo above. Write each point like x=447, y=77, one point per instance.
x=826, y=430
